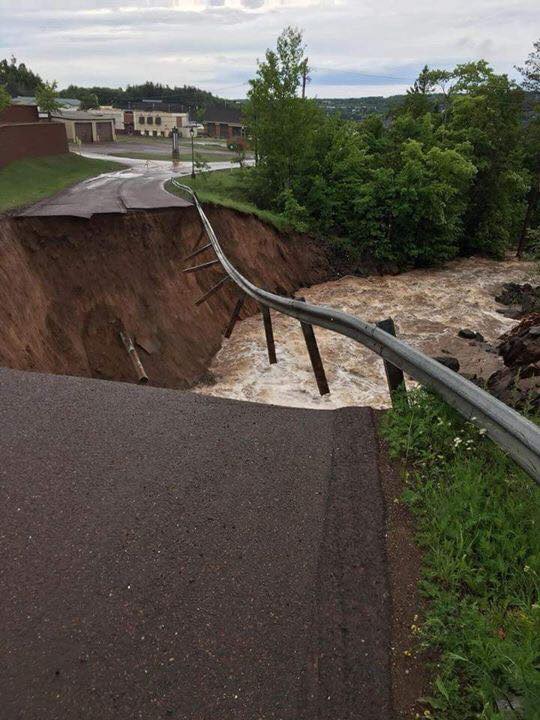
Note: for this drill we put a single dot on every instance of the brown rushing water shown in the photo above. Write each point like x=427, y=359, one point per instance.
x=428, y=306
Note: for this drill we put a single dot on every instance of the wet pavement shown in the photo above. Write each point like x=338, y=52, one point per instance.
x=139, y=187
x=167, y=555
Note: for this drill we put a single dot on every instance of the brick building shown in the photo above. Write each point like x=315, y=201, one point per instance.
x=24, y=135
x=225, y=122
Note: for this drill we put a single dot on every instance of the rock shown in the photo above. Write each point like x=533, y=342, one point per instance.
x=471, y=335
x=518, y=384
x=449, y=361
x=521, y=346
x=519, y=388
x=523, y=299
x=514, y=313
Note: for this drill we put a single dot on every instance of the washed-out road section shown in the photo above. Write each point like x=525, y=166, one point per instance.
x=139, y=187
x=171, y=555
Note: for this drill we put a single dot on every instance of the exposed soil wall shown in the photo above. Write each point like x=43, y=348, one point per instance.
x=66, y=284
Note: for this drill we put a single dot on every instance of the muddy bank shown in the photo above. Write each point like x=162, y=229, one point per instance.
x=65, y=284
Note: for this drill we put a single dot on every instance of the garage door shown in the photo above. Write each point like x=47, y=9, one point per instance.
x=83, y=130
x=104, y=131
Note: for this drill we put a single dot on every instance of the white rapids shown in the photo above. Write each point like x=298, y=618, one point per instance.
x=428, y=307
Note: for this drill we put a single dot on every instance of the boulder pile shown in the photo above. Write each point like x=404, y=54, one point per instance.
x=518, y=383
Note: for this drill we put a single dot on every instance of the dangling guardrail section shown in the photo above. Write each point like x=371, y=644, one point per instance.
x=519, y=437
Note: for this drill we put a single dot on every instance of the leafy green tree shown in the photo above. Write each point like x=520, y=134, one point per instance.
x=531, y=144
x=5, y=98
x=484, y=117
x=17, y=78
x=280, y=123
x=47, y=98
x=531, y=70
x=88, y=100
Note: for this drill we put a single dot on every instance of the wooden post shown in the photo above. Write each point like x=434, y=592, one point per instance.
x=267, y=320
x=235, y=315
x=212, y=290
x=394, y=375
x=314, y=356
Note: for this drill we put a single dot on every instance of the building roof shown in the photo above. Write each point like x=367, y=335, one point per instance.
x=81, y=115
x=68, y=103
x=150, y=105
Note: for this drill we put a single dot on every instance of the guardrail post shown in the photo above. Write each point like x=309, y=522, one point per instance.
x=235, y=315
x=394, y=375
x=314, y=355
x=270, y=344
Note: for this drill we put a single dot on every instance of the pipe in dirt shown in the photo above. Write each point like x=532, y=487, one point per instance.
x=142, y=377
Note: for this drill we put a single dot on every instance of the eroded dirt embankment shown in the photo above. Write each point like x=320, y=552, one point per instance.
x=65, y=284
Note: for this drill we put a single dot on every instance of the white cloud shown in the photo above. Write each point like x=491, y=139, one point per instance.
x=357, y=47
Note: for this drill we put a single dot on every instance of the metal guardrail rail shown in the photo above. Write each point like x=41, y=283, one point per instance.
x=519, y=437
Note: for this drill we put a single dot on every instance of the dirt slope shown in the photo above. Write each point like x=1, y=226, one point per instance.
x=66, y=283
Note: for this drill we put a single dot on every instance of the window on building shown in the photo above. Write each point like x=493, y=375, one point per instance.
x=141, y=120
x=158, y=120
x=149, y=120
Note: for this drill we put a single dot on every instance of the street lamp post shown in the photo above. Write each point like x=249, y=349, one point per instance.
x=192, y=133
x=175, y=146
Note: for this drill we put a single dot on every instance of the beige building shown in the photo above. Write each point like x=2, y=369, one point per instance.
x=160, y=124
x=86, y=127
x=110, y=111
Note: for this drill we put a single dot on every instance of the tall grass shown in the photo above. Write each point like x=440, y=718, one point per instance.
x=478, y=523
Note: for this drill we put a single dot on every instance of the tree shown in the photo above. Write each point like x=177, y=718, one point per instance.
x=484, y=119
x=531, y=70
x=17, y=78
x=5, y=98
x=280, y=122
x=531, y=144
x=47, y=98
x=88, y=100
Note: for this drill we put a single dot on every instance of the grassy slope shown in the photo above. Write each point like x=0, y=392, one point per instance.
x=26, y=181
x=477, y=518
x=227, y=188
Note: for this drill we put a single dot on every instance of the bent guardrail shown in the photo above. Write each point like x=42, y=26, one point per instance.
x=519, y=437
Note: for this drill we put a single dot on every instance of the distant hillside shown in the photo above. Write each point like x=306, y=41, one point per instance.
x=360, y=108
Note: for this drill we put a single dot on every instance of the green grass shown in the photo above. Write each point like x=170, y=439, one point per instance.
x=477, y=516
x=229, y=188
x=25, y=181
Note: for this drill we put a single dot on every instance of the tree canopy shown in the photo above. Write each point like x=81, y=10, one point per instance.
x=17, y=79
x=448, y=172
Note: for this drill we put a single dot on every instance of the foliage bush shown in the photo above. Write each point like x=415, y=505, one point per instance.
x=477, y=516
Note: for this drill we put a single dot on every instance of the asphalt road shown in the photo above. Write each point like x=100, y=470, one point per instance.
x=139, y=187
x=166, y=554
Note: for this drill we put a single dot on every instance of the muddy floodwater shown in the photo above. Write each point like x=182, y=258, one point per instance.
x=428, y=306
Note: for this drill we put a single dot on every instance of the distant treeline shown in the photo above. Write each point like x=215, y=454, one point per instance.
x=187, y=95
x=17, y=79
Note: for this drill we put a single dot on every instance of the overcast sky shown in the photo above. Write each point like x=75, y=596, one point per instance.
x=356, y=47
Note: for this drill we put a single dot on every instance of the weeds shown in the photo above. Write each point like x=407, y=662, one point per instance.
x=477, y=517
